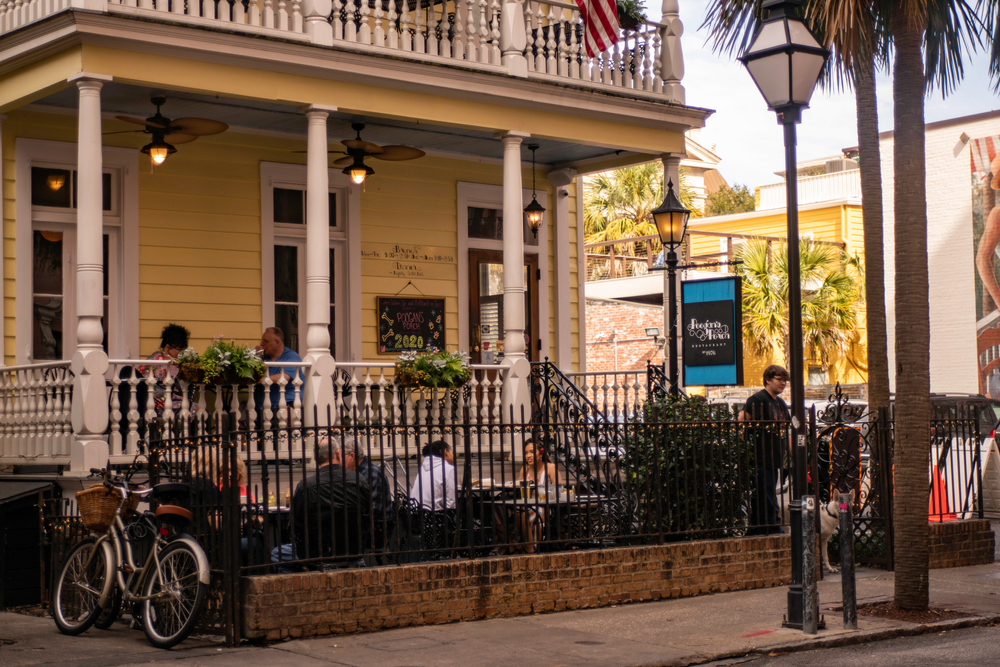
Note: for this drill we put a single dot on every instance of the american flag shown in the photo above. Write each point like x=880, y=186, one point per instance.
x=600, y=24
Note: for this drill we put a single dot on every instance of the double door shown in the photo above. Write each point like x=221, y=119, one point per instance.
x=486, y=308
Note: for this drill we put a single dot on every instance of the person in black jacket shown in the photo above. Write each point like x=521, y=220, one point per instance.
x=769, y=415
x=331, y=510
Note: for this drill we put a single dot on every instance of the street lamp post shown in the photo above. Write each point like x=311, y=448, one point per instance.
x=671, y=220
x=785, y=60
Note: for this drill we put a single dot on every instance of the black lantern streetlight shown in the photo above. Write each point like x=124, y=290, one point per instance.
x=671, y=220
x=533, y=211
x=785, y=60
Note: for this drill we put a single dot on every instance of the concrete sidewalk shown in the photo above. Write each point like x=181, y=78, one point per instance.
x=683, y=631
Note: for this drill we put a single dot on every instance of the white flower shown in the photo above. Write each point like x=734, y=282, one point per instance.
x=439, y=363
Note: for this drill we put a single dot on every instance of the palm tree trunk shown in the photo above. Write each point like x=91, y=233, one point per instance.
x=871, y=208
x=912, y=415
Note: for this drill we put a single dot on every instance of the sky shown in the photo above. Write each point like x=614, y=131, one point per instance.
x=747, y=136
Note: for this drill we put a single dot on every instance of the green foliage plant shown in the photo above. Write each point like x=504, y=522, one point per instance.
x=437, y=368
x=728, y=200
x=631, y=13
x=222, y=363
x=689, y=467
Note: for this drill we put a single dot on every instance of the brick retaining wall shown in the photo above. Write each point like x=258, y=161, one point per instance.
x=960, y=543
x=346, y=601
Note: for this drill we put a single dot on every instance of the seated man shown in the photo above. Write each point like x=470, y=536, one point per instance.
x=272, y=348
x=382, y=505
x=331, y=510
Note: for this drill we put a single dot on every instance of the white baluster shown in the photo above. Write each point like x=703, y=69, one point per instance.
x=638, y=58
x=657, y=59
x=50, y=413
x=177, y=6
x=168, y=401
x=381, y=396
x=406, y=39
x=185, y=412
x=472, y=42
x=563, y=49
x=539, y=39
x=647, y=61
x=495, y=54
x=268, y=14
x=150, y=402
x=575, y=71
x=209, y=9
x=432, y=29
x=551, y=62
x=5, y=415
x=350, y=27
x=296, y=26
x=484, y=32
x=253, y=18
x=202, y=410
x=115, y=437
x=224, y=10
x=193, y=6
x=162, y=5
x=132, y=416
x=458, y=31
x=337, y=21
x=284, y=12
x=378, y=39
x=365, y=31
x=393, y=33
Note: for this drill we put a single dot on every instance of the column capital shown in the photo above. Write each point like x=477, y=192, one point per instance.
x=511, y=135
x=313, y=108
x=81, y=77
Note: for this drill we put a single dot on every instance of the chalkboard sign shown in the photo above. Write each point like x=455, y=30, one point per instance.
x=406, y=323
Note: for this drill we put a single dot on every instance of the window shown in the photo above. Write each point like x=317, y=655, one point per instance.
x=47, y=232
x=487, y=223
x=283, y=218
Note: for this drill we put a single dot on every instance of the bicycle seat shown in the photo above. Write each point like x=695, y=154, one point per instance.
x=171, y=493
x=174, y=515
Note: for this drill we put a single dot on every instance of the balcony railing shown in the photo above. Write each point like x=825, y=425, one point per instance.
x=814, y=189
x=36, y=404
x=468, y=33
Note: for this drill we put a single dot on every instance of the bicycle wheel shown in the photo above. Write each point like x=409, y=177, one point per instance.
x=176, y=597
x=108, y=616
x=85, y=575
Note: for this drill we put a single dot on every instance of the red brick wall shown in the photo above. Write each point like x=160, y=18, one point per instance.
x=630, y=320
x=346, y=601
x=961, y=543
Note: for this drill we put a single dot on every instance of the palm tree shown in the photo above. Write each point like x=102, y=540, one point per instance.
x=831, y=292
x=938, y=31
x=617, y=205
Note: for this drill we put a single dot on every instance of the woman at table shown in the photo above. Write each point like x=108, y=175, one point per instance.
x=173, y=341
x=530, y=519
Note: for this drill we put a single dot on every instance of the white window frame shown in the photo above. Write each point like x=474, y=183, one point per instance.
x=491, y=196
x=121, y=223
x=345, y=239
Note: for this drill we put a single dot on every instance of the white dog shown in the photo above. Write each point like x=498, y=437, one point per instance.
x=829, y=520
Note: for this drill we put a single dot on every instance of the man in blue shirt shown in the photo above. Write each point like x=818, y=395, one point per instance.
x=272, y=347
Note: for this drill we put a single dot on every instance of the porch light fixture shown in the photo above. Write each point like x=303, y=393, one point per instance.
x=56, y=181
x=534, y=210
x=158, y=150
x=359, y=171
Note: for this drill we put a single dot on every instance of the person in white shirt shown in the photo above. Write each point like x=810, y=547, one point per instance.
x=434, y=487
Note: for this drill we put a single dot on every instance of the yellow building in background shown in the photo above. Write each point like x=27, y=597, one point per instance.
x=829, y=212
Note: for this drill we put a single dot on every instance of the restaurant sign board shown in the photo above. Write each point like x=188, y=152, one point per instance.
x=711, y=328
x=407, y=323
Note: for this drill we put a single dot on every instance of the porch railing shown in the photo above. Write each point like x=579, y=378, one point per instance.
x=35, y=413
x=467, y=33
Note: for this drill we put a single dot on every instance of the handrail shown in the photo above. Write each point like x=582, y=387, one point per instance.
x=699, y=232
x=43, y=365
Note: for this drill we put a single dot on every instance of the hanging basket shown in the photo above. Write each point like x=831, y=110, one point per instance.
x=98, y=504
x=191, y=373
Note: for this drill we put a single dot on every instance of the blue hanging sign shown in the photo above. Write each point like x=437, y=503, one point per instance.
x=711, y=330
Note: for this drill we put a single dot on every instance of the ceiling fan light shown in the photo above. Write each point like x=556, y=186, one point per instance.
x=158, y=150
x=359, y=171
x=56, y=181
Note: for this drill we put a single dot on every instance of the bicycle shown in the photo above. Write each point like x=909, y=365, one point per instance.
x=100, y=574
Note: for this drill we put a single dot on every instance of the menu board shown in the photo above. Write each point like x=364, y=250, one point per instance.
x=406, y=323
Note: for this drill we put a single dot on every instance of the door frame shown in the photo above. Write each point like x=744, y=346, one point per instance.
x=491, y=196
x=496, y=256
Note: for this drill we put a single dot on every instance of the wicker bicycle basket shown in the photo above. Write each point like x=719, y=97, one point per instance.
x=98, y=504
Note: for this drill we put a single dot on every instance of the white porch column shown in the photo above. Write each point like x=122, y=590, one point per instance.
x=671, y=55
x=560, y=180
x=672, y=173
x=318, y=392
x=516, y=392
x=90, y=362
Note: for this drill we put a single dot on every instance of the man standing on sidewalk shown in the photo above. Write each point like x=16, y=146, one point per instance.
x=769, y=417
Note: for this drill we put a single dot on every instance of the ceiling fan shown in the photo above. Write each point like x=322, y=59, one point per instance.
x=358, y=149
x=167, y=132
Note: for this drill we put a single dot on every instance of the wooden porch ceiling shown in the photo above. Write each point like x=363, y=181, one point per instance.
x=254, y=115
